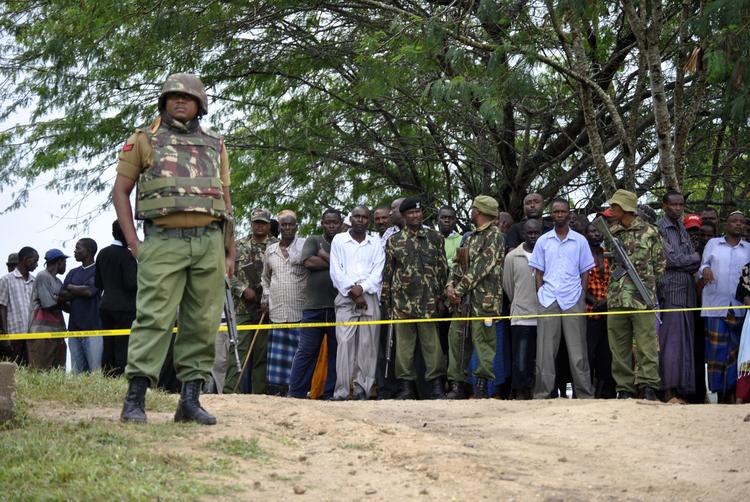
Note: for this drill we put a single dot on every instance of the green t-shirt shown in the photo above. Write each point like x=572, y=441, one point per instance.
x=319, y=292
x=452, y=243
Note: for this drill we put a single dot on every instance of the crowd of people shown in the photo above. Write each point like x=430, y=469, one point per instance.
x=99, y=294
x=515, y=310
x=391, y=264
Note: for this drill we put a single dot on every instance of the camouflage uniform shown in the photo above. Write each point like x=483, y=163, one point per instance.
x=180, y=170
x=248, y=266
x=481, y=285
x=643, y=246
x=415, y=271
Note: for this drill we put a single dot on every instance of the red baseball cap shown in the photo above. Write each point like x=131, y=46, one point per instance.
x=692, y=220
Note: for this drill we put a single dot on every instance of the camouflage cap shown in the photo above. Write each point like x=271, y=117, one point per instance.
x=186, y=83
x=628, y=201
x=13, y=259
x=259, y=214
x=485, y=204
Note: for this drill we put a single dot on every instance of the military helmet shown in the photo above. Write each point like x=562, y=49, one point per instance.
x=188, y=84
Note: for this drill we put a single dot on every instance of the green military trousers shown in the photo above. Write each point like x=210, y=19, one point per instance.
x=622, y=329
x=483, y=339
x=432, y=352
x=185, y=272
x=256, y=365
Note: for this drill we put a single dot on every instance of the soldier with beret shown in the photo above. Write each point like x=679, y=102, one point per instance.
x=415, y=271
x=477, y=281
x=182, y=175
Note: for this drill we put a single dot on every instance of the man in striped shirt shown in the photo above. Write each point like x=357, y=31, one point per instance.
x=283, y=280
x=676, y=289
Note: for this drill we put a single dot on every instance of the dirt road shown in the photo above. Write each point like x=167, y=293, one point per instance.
x=479, y=450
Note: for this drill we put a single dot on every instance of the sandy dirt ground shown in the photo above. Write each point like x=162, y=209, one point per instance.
x=475, y=450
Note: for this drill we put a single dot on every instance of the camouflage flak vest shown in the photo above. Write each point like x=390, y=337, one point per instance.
x=183, y=177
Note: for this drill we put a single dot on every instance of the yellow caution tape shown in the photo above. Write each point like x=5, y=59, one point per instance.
x=253, y=327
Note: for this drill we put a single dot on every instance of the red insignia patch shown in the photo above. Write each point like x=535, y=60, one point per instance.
x=128, y=147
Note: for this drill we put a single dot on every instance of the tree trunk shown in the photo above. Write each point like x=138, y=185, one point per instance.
x=648, y=42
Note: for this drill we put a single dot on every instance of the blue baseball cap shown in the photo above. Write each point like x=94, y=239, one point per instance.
x=54, y=254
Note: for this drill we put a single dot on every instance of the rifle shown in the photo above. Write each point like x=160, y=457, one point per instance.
x=625, y=265
x=465, y=330
x=389, y=347
x=231, y=321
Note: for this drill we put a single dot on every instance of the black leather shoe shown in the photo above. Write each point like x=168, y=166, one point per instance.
x=437, y=390
x=623, y=394
x=649, y=394
x=456, y=392
x=189, y=409
x=134, y=407
x=407, y=390
x=480, y=389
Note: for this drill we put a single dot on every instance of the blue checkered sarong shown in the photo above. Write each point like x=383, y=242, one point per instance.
x=722, y=347
x=282, y=345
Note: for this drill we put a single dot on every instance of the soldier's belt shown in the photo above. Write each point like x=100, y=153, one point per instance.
x=297, y=325
x=151, y=229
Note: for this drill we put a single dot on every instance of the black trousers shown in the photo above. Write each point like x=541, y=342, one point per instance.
x=600, y=358
x=115, y=351
x=699, y=359
x=523, y=343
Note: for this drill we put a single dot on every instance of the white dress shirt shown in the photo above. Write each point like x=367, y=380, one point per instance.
x=355, y=262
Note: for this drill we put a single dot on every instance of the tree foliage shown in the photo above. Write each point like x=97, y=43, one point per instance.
x=332, y=103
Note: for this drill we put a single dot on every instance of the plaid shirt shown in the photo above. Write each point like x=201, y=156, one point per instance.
x=283, y=281
x=15, y=295
x=597, y=286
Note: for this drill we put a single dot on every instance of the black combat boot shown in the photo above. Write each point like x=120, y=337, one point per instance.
x=457, y=391
x=407, y=390
x=649, y=394
x=134, y=407
x=189, y=409
x=480, y=389
x=437, y=391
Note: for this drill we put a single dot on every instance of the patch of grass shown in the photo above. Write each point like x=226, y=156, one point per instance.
x=285, y=440
x=92, y=389
x=240, y=447
x=98, y=460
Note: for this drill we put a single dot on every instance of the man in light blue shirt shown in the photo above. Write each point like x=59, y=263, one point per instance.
x=561, y=260
x=723, y=260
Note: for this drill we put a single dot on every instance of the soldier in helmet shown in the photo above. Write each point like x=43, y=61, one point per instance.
x=181, y=172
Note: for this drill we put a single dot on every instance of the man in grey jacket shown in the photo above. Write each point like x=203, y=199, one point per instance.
x=519, y=286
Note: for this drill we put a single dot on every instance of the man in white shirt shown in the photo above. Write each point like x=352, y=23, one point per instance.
x=723, y=260
x=357, y=260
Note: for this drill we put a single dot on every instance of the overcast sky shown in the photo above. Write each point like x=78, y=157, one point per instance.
x=43, y=223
